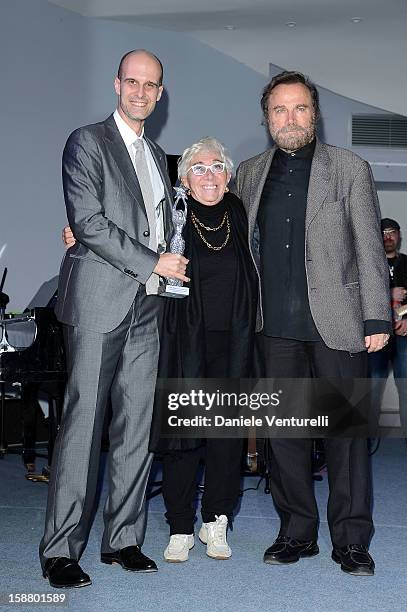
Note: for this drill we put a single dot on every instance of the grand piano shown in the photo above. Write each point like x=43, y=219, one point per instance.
x=42, y=360
x=31, y=354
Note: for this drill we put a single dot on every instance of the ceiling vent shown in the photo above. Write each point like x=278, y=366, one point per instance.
x=389, y=131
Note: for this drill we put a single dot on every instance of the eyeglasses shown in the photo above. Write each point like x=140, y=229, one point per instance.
x=201, y=169
x=389, y=232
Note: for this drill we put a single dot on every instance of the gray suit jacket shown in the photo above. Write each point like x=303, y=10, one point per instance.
x=101, y=273
x=347, y=272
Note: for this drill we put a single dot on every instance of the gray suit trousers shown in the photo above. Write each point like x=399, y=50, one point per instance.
x=122, y=363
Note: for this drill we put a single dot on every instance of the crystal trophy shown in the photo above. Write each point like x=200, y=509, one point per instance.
x=173, y=286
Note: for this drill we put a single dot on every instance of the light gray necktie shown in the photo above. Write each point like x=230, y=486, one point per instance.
x=146, y=187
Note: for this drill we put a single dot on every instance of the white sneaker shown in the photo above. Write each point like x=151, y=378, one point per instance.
x=178, y=548
x=214, y=536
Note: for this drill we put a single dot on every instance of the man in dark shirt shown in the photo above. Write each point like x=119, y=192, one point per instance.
x=314, y=232
x=395, y=353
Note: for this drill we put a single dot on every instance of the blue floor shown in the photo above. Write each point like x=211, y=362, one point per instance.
x=242, y=583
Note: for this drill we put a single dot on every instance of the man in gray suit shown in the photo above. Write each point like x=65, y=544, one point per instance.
x=314, y=231
x=117, y=196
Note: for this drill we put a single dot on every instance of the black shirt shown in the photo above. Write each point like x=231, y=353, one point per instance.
x=217, y=269
x=398, y=270
x=281, y=220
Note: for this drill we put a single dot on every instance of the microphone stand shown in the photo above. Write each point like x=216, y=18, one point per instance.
x=4, y=300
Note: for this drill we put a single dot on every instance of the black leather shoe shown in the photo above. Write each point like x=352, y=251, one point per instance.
x=354, y=559
x=130, y=558
x=64, y=573
x=288, y=550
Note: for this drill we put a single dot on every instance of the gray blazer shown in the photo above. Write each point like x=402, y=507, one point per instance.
x=346, y=268
x=101, y=273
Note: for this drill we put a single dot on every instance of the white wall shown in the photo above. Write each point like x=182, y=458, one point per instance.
x=43, y=63
x=57, y=72
x=337, y=54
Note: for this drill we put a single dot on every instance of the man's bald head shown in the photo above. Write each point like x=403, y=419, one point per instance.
x=141, y=53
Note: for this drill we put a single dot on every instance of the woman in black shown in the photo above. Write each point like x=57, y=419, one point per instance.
x=207, y=335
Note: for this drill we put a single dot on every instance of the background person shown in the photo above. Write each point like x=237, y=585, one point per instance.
x=395, y=353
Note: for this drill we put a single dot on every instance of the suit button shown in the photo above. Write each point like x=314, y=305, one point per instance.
x=146, y=234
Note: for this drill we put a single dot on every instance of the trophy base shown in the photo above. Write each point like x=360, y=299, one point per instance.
x=174, y=292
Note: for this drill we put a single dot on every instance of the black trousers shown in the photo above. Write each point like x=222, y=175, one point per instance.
x=221, y=489
x=222, y=462
x=292, y=488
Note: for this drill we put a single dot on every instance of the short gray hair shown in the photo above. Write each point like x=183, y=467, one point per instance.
x=207, y=144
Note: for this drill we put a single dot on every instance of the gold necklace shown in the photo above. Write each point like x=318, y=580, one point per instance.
x=196, y=223
x=210, y=229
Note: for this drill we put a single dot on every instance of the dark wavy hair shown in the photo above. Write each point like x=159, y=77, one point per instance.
x=287, y=78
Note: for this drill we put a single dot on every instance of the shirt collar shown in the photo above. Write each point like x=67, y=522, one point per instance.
x=126, y=132
x=305, y=153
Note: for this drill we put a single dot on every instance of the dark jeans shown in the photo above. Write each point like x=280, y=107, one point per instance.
x=292, y=487
x=395, y=355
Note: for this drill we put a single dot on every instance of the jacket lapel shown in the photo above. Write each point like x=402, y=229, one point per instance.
x=319, y=181
x=122, y=158
x=260, y=170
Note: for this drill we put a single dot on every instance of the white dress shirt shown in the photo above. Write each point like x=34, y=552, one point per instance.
x=129, y=137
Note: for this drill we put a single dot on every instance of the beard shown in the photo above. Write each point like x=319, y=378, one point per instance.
x=390, y=246
x=291, y=138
